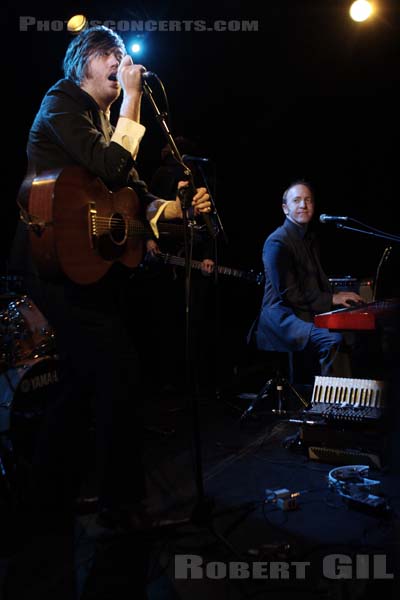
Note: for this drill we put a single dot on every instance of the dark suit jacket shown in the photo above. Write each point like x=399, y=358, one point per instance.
x=70, y=129
x=296, y=288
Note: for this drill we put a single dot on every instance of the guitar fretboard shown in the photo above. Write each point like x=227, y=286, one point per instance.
x=170, y=259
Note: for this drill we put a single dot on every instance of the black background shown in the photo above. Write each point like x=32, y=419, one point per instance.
x=310, y=94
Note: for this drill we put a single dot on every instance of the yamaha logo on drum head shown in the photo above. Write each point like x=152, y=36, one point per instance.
x=26, y=390
x=38, y=381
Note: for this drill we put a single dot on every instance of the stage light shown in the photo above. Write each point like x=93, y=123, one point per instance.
x=77, y=23
x=136, y=44
x=361, y=10
x=136, y=48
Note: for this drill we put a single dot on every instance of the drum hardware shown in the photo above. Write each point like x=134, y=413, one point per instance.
x=24, y=333
x=28, y=384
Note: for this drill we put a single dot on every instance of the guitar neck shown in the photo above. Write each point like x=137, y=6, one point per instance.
x=169, y=259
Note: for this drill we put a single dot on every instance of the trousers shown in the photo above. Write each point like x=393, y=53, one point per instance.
x=326, y=344
x=99, y=388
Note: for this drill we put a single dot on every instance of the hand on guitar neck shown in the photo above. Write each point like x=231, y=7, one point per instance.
x=207, y=267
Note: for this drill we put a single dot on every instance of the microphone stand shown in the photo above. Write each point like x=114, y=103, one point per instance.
x=386, y=252
x=385, y=255
x=202, y=514
x=217, y=305
x=385, y=236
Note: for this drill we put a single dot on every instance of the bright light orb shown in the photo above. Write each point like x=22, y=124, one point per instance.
x=76, y=23
x=135, y=48
x=361, y=10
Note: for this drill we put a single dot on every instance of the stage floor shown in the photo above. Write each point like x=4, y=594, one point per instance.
x=321, y=549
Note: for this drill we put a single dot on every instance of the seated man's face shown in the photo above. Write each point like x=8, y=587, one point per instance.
x=299, y=206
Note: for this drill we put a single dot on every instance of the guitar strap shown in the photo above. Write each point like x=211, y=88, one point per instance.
x=32, y=221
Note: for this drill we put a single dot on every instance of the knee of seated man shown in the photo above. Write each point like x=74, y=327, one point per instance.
x=332, y=340
x=337, y=339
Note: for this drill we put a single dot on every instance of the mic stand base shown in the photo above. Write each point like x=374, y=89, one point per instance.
x=202, y=514
x=202, y=518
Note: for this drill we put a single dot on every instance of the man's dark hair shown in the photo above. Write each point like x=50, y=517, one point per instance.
x=297, y=182
x=92, y=41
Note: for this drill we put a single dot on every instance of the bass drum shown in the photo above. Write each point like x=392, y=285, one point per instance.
x=26, y=392
x=25, y=333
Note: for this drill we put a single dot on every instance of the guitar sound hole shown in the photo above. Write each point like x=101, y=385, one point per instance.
x=118, y=230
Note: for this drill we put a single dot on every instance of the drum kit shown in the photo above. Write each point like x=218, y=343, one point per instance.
x=28, y=377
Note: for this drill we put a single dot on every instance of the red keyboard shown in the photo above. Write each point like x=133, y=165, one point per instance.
x=364, y=317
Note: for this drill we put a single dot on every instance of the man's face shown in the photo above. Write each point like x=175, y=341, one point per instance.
x=299, y=207
x=97, y=82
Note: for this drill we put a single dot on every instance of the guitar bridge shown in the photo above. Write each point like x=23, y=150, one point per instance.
x=92, y=223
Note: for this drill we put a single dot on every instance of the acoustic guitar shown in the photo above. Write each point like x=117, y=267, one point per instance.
x=80, y=228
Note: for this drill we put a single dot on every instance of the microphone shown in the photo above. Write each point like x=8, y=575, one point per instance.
x=148, y=75
x=194, y=158
x=327, y=218
x=145, y=75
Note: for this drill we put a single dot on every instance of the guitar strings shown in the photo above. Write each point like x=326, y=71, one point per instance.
x=104, y=224
x=138, y=227
x=179, y=261
x=113, y=220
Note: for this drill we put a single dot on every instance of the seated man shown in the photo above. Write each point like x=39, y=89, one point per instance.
x=296, y=287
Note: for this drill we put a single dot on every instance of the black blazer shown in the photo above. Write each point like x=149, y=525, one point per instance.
x=296, y=288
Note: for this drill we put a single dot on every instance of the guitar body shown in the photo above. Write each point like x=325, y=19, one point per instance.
x=83, y=228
